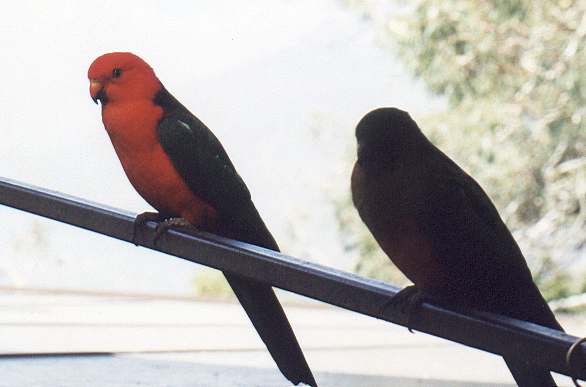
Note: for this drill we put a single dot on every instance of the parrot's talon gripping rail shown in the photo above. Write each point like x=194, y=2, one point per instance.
x=500, y=335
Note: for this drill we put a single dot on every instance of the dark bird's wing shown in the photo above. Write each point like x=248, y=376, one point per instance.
x=204, y=165
x=468, y=235
x=488, y=268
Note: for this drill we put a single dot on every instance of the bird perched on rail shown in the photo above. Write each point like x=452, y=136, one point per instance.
x=441, y=230
x=179, y=167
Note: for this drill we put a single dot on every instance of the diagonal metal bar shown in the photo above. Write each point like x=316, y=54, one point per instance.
x=485, y=331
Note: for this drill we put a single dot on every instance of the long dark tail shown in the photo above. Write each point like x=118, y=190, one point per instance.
x=261, y=304
x=534, y=309
x=527, y=375
x=267, y=316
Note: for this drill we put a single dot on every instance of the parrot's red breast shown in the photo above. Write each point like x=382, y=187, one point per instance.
x=127, y=87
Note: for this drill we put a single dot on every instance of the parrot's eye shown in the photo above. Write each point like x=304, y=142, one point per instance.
x=116, y=72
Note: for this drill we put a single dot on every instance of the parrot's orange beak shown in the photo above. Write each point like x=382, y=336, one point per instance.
x=96, y=90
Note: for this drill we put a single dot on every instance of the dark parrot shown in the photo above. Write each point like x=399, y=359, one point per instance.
x=180, y=168
x=440, y=228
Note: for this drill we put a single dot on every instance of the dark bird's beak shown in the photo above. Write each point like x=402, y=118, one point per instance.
x=96, y=91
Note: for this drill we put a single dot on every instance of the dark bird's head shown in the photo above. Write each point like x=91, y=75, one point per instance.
x=121, y=76
x=386, y=135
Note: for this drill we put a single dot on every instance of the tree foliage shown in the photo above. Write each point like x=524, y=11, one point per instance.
x=514, y=75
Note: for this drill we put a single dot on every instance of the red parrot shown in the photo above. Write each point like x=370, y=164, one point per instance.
x=180, y=168
x=441, y=230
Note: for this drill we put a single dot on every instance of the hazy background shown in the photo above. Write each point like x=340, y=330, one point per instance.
x=281, y=83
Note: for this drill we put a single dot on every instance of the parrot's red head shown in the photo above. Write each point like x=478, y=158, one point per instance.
x=120, y=77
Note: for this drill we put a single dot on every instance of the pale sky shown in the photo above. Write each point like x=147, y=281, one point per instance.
x=265, y=76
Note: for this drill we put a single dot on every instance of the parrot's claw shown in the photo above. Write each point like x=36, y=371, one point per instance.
x=170, y=223
x=141, y=220
x=406, y=301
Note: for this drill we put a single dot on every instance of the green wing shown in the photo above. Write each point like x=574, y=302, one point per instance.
x=202, y=162
x=207, y=170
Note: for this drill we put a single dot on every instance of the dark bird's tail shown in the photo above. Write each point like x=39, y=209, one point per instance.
x=534, y=309
x=527, y=375
x=261, y=304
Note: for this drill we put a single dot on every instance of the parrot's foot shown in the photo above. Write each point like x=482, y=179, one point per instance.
x=406, y=301
x=171, y=223
x=141, y=220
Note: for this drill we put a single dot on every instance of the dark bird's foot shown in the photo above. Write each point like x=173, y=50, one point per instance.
x=171, y=223
x=406, y=301
x=141, y=220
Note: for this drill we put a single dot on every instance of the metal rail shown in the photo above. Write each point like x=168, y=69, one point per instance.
x=485, y=331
